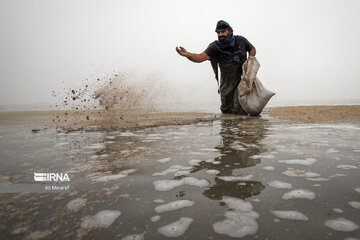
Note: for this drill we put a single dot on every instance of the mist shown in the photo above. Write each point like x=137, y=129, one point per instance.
x=308, y=50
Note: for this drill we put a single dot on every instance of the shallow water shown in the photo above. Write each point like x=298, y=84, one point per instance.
x=251, y=178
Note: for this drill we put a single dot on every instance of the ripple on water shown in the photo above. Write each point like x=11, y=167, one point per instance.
x=177, y=228
x=299, y=193
x=291, y=215
x=341, y=224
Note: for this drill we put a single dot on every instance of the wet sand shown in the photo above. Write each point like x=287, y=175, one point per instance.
x=135, y=119
x=316, y=114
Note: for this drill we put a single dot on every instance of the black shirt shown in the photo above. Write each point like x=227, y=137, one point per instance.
x=241, y=44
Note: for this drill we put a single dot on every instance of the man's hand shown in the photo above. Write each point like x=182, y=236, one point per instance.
x=194, y=57
x=182, y=51
x=252, y=53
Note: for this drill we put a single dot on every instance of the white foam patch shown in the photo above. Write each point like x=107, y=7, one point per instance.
x=356, y=150
x=172, y=169
x=177, y=228
x=212, y=171
x=164, y=160
x=338, y=210
x=216, y=162
x=237, y=204
x=75, y=204
x=110, y=137
x=96, y=146
x=291, y=215
x=331, y=150
x=174, y=206
x=306, y=162
x=346, y=167
x=238, y=214
x=19, y=230
x=237, y=228
x=182, y=173
x=159, y=201
x=236, y=178
x=127, y=134
x=209, y=149
x=301, y=173
x=114, y=177
x=196, y=153
x=268, y=156
x=237, y=147
x=255, y=157
x=354, y=204
x=134, y=237
x=165, y=185
x=357, y=189
x=299, y=193
x=61, y=144
x=209, y=160
x=155, y=218
x=278, y=184
x=311, y=174
x=269, y=168
x=239, y=222
x=341, y=224
x=194, y=162
x=102, y=219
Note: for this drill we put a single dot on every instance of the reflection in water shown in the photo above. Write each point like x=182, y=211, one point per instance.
x=239, y=141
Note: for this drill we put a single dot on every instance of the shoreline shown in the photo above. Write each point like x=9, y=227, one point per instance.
x=72, y=120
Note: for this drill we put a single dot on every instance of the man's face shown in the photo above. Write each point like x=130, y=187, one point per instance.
x=222, y=34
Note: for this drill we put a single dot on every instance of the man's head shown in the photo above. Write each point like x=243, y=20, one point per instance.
x=222, y=29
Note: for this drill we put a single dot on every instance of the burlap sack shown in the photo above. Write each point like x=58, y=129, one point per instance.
x=253, y=96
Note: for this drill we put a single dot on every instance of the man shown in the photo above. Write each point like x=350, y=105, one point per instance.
x=229, y=52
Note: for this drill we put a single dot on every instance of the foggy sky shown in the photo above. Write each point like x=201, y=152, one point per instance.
x=307, y=49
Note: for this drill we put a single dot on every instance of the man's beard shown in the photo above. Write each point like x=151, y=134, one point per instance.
x=222, y=38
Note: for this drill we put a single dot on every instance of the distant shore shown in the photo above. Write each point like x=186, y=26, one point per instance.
x=130, y=119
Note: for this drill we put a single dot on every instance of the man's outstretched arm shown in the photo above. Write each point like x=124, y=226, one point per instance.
x=194, y=57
